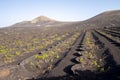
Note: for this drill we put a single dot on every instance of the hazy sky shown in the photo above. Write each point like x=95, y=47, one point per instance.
x=12, y=11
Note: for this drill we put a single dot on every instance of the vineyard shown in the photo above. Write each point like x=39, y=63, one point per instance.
x=46, y=54
x=70, y=51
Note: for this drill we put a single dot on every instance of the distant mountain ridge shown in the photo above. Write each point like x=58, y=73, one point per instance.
x=105, y=19
x=39, y=21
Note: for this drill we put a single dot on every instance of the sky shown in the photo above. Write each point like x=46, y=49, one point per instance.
x=13, y=11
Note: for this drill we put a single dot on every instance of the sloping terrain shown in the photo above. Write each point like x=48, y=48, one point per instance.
x=46, y=49
x=105, y=19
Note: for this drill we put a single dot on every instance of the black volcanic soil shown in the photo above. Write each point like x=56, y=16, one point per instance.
x=105, y=54
x=67, y=61
x=45, y=49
